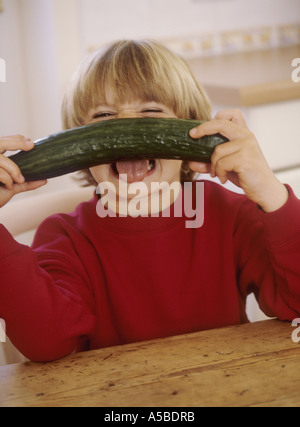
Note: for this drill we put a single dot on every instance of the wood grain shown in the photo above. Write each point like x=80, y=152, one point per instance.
x=247, y=365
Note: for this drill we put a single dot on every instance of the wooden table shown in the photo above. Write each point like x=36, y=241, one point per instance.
x=247, y=365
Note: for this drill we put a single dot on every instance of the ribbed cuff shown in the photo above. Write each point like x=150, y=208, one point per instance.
x=284, y=224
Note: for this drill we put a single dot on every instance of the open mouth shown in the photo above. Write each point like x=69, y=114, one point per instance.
x=136, y=170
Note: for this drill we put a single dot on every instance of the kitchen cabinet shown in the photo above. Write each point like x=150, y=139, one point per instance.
x=260, y=84
x=249, y=78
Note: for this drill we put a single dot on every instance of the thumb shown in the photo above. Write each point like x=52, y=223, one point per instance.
x=28, y=186
x=200, y=167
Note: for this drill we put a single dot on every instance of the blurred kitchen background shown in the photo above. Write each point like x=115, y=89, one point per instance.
x=240, y=50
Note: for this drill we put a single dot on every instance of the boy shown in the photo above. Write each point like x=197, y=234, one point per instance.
x=90, y=282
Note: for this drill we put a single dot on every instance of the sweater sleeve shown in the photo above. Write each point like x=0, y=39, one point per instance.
x=268, y=253
x=47, y=305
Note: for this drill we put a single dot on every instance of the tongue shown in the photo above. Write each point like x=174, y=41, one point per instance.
x=136, y=170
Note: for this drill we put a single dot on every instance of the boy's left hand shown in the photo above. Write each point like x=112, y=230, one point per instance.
x=241, y=161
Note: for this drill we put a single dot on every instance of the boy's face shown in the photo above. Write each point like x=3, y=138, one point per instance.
x=146, y=171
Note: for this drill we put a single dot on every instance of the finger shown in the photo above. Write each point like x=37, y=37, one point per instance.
x=229, y=166
x=200, y=167
x=12, y=169
x=28, y=186
x=15, y=142
x=13, y=137
x=6, y=179
x=233, y=115
x=221, y=173
x=222, y=151
x=225, y=127
x=227, y=148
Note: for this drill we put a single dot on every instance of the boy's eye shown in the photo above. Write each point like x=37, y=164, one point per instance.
x=101, y=115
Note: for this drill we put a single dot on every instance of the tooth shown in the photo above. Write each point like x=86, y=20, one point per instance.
x=151, y=165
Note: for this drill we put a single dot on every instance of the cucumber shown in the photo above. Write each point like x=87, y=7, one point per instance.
x=110, y=141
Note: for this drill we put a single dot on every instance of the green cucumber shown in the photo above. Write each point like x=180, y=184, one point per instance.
x=110, y=141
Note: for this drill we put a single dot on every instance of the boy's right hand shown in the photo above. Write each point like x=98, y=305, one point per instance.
x=10, y=175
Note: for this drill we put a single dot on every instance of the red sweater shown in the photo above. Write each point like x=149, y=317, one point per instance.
x=89, y=282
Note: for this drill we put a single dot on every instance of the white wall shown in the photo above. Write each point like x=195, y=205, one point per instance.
x=105, y=20
x=42, y=41
x=42, y=47
x=13, y=93
x=39, y=42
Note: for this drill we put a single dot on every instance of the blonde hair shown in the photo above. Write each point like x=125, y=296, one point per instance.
x=135, y=69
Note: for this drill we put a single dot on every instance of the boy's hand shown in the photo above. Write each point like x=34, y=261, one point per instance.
x=241, y=161
x=10, y=175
